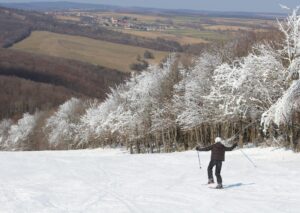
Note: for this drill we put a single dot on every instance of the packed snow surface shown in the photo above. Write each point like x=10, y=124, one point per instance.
x=115, y=181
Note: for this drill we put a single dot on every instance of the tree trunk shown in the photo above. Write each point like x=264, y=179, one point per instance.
x=170, y=147
x=163, y=140
x=175, y=139
x=253, y=135
x=241, y=135
x=197, y=136
x=157, y=143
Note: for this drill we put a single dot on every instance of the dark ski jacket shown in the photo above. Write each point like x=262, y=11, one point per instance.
x=217, y=150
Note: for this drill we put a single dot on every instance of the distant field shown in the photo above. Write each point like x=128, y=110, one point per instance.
x=201, y=34
x=68, y=18
x=179, y=38
x=194, y=29
x=111, y=55
x=184, y=29
x=226, y=27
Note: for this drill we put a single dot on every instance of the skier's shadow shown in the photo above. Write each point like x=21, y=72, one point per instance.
x=237, y=185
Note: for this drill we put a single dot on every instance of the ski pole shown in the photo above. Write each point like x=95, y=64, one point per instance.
x=234, y=136
x=199, y=160
x=249, y=159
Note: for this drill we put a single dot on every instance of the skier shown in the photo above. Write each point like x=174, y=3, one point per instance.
x=217, y=156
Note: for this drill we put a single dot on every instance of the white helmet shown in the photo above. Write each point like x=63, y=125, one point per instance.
x=218, y=139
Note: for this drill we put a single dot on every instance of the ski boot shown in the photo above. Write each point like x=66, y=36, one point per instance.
x=219, y=186
x=211, y=181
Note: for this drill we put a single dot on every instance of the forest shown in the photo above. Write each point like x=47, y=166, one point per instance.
x=31, y=82
x=183, y=102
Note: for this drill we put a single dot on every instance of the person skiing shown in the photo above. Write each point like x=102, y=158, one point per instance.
x=217, y=157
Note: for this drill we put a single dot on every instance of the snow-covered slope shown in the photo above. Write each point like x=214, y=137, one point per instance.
x=114, y=181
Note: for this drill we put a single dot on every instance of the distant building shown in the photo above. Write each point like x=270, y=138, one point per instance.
x=114, y=21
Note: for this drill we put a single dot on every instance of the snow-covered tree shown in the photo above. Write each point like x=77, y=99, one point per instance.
x=20, y=133
x=190, y=102
x=98, y=121
x=129, y=108
x=280, y=113
x=61, y=127
x=290, y=27
x=4, y=132
x=250, y=85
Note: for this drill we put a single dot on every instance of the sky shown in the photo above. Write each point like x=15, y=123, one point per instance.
x=215, y=5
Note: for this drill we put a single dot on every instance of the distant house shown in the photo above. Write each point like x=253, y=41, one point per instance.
x=128, y=26
x=113, y=20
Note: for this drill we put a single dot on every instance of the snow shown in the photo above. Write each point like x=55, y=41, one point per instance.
x=111, y=180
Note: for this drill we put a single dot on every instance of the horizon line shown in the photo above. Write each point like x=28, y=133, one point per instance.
x=145, y=7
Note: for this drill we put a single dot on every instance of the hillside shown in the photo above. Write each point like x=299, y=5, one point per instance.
x=18, y=95
x=85, y=49
x=49, y=81
x=114, y=181
x=16, y=25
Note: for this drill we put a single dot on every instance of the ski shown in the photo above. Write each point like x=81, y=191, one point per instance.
x=216, y=188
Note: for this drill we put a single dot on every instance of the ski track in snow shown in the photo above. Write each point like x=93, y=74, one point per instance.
x=114, y=181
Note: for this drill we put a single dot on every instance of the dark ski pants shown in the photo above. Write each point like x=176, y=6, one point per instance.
x=218, y=165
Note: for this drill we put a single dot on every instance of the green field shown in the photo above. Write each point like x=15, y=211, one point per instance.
x=181, y=39
x=200, y=34
x=184, y=29
x=204, y=29
x=111, y=55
